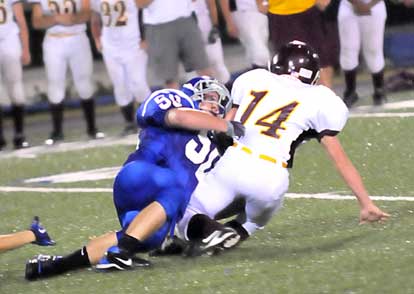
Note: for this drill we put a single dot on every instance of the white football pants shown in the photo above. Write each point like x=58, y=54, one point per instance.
x=367, y=31
x=11, y=68
x=238, y=174
x=59, y=53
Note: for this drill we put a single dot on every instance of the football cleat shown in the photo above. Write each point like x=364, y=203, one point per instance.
x=96, y=135
x=171, y=246
x=119, y=261
x=216, y=242
x=42, y=237
x=54, y=138
x=379, y=97
x=20, y=142
x=105, y=265
x=2, y=143
x=350, y=99
x=41, y=266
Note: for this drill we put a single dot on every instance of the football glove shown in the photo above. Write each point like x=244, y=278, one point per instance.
x=221, y=140
x=235, y=129
x=213, y=35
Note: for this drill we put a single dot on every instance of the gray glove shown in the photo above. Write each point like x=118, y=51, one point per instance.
x=235, y=129
x=213, y=35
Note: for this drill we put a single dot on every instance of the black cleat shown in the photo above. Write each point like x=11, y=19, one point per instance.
x=216, y=242
x=171, y=246
x=41, y=266
x=350, y=98
x=96, y=135
x=20, y=142
x=120, y=261
x=54, y=138
x=379, y=97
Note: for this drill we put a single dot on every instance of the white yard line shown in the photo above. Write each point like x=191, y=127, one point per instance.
x=323, y=196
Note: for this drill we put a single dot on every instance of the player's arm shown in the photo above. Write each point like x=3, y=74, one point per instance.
x=230, y=26
x=18, y=12
x=369, y=212
x=96, y=29
x=143, y=3
x=41, y=21
x=262, y=6
x=197, y=120
x=212, y=8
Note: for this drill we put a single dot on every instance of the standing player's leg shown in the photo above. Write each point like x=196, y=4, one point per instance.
x=55, y=62
x=13, y=78
x=350, y=43
x=123, y=98
x=81, y=65
x=372, y=33
x=254, y=38
x=136, y=64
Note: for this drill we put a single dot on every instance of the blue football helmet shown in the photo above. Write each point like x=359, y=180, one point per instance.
x=197, y=87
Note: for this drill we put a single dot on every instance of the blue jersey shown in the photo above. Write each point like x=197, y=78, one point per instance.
x=184, y=152
x=164, y=168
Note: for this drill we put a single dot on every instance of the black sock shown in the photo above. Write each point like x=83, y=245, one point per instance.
x=201, y=226
x=350, y=81
x=57, y=117
x=76, y=260
x=128, y=112
x=378, y=81
x=129, y=245
x=18, y=119
x=88, y=107
x=2, y=140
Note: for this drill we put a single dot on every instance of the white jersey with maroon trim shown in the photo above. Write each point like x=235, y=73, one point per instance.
x=7, y=23
x=50, y=7
x=119, y=18
x=277, y=109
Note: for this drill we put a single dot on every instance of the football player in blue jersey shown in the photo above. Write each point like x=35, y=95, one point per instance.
x=153, y=188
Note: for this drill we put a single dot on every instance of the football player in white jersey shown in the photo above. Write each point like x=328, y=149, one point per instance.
x=116, y=28
x=207, y=20
x=280, y=109
x=14, y=51
x=66, y=45
x=240, y=15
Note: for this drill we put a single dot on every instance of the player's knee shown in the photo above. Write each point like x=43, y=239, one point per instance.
x=173, y=201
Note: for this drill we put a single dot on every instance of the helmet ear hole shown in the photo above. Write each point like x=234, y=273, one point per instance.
x=299, y=58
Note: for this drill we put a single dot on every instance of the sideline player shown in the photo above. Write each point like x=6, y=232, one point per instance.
x=207, y=20
x=14, y=51
x=280, y=109
x=247, y=20
x=36, y=234
x=66, y=45
x=116, y=27
x=361, y=23
x=152, y=189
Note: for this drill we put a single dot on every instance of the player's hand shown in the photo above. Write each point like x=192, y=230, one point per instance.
x=213, y=35
x=361, y=8
x=98, y=45
x=26, y=57
x=235, y=129
x=372, y=214
x=263, y=7
x=143, y=45
x=232, y=30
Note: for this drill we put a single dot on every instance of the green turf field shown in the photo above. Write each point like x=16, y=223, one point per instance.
x=311, y=246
